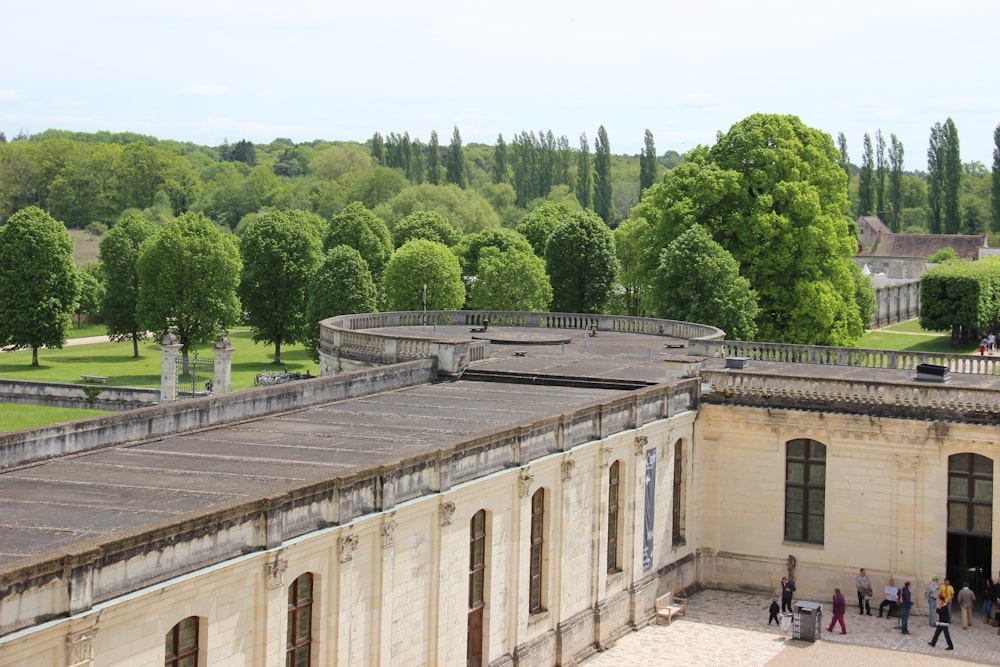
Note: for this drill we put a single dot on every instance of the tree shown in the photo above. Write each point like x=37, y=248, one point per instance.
x=538, y=225
x=771, y=192
x=963, y=297
x=503, y=239
x=465, y=209
x=188, y=275
x=895, y=183
x=279, y=258
x=995, y=183
x=434, y=160
x=880, y=174
x=424, y=274
x=245, y=152
x=951, y=210
x=510, y=280
x=119, y=255
x=455, y=169
x=935, y=178
x=341, y=285
x=429, y=225
x=845, y=159
x=499, y=171
x=584, y=176
x=697, y=280
x=39, y=285
x=647, y=165
x=91, y=291
x=603, y=198
x=359, y=228
x=866, y=185
x=631, y=246
x=580, y=260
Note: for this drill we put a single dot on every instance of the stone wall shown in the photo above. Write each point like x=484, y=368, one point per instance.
x=87, y=396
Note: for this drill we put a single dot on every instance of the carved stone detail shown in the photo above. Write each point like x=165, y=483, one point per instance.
x=568, y=466
x=388, y=534
x=640, y=444
x=345, y=547
x=907, y=464
x=273, y=571
x=80, y=648
x=606, y=453
x=525, y=481
x=447, y=511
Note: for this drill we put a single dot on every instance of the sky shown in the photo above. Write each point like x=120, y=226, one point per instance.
x=214, y=70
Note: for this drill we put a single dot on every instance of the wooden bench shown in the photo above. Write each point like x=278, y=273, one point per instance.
x=95, y=378
x=669, y=605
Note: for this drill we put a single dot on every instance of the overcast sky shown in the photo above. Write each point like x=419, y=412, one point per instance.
x=210, y=70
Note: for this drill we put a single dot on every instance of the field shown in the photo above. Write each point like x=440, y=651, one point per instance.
x=85, y=246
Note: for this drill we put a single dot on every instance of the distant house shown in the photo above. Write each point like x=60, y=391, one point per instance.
x=901, y=256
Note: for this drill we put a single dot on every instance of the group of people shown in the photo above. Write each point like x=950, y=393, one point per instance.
x=988, y=344
x=939, y=598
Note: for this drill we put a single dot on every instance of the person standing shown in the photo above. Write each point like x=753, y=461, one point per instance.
x=905, y=603
x=864, y=586
x=988, y=598
x=948, y=591
x=787, y=590
x=891, y=598
x=944, y=619
x=933, y=591
x=773, y=610
x=839, y=609
x=965, y=600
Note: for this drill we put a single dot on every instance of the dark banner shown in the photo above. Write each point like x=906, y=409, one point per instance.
x=647, y=522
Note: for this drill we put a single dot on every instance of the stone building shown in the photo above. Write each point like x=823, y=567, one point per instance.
x=518, y=494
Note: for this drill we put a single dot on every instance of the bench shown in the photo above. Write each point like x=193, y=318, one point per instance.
x=95, y=378
x=669, y=605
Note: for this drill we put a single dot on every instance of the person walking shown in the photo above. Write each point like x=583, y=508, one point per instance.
x=966, y=598
x=839, y=609
x=864, y=586
x=988, y=598
x=787, y=590
x=905, y=603
x=944, y=619
x=933, y=592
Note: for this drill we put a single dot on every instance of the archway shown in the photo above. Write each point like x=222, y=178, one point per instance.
x=970, y=520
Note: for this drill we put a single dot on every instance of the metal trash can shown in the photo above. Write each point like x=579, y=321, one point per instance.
x=806, y=622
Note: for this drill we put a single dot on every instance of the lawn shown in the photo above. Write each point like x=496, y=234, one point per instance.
x=909, y=337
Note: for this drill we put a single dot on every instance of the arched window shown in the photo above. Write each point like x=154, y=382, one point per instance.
x=182, y=644
x=805, y=491
x=299, y=644
x=537, y=543
x=613, y=516
x=677, y=528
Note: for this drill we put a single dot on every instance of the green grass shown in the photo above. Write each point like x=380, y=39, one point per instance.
x=115, y=361
x=16, y=417
x=909, y=337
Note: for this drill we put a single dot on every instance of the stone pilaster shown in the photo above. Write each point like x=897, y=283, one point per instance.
x=170, y=349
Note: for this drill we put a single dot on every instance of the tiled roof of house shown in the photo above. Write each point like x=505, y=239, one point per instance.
x=922, y=246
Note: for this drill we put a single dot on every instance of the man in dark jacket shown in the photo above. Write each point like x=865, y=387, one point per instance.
x=944, y=619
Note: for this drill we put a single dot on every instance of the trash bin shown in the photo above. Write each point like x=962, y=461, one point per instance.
x=806, y=623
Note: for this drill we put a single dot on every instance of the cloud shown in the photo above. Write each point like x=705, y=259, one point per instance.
x=705, y=101
x=206, y=90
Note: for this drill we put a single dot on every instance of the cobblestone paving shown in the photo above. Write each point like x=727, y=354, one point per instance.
x=724, y=629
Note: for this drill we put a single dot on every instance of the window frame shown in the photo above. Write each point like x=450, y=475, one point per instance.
x=536, y=555
x=180, y=654
x=812, y=488
x=295, y=645
x=614, y=517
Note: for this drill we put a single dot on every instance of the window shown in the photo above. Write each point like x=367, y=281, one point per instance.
x=677, y=530
x=299, y=644
x=613, y=491
x=805, y=491
x=970, y=494
x=537, y=528
x=477, y=560
x=182, y=644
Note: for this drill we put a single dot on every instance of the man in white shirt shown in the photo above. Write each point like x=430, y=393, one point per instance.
x=891, y=598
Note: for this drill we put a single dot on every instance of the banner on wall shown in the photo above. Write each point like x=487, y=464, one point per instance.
x=647, y=521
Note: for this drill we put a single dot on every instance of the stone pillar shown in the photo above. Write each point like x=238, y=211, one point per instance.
x=170, y=349
x=222, y=374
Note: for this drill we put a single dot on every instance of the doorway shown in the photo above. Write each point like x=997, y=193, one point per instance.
x=970, y=520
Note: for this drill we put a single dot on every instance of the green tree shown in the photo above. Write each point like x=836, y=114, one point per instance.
x=434, y=160
x=584, y=175
x=603, y=197
x=580, y=260
x=771, y=192
x=336, y=162
x=503, y=239
x=341, y=285
x=455, y=168
x=995, y=183
x=499, y=171
x=631, y=246
x=963, y=297
x=119, y=255
x=880, y=174
x=510, y=280
x=279, y=258
x=866, y=180
x=91, y=291
x=697, y=280
x=951, y=210
x=465, y=209
x=188, y=275
x=375, y=187
x=39, y=285
x=935, y=178
x=845, y=158
x=538, y=225
x=429, y=225
x=359, y=228
x=895, y=183
x=647, y=164
x=422, y=268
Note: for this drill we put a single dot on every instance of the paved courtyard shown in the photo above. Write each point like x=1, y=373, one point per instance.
x=724, y=629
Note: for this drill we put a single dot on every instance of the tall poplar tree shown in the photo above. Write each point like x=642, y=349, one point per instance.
x=584, y=177
x=880, y=174
x=845, y=159
x=866, y=179
x=647, y=164
x=434, y=160
x=499, y=171
x=455, y=169
x=603, y=203
x=935, y=177
x=995, y=186
x=952, y=216
x=895, y=183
